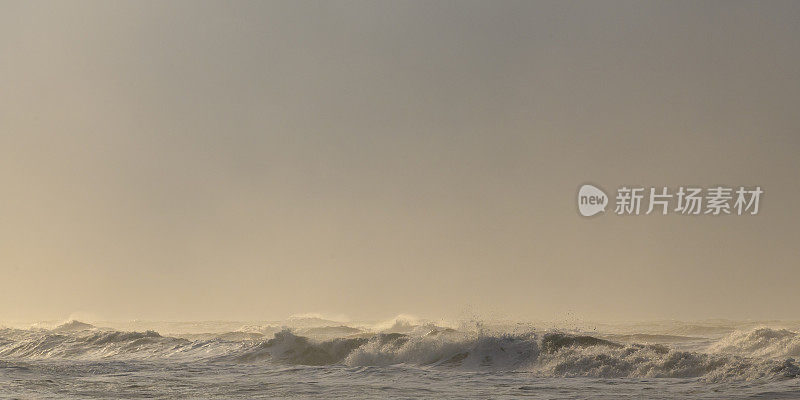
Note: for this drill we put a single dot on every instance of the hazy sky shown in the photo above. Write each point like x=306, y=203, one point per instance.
x=238, y=160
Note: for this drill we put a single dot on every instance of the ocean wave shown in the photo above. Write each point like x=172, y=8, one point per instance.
x=659, y=361
x=761, y=353
x=760, y=342
x=77, y=340
x=552, y=354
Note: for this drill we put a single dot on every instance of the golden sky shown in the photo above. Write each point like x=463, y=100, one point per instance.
x=250, y=160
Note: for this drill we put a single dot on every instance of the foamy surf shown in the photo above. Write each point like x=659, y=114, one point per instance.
x=759, y=357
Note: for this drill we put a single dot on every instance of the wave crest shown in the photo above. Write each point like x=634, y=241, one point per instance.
x=760, y=342
x=757, y=354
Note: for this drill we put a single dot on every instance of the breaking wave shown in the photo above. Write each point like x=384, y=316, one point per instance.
x=77, y=340
x=760, y=342
x=761, y=353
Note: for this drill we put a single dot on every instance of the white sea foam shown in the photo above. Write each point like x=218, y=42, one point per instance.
x=413, y=357
x=761, y=353
x=760, y=342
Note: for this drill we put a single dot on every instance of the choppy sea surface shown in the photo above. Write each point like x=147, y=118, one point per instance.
x=310, y=357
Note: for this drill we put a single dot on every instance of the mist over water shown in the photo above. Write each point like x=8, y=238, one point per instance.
x=194, y=160
x=234, y=163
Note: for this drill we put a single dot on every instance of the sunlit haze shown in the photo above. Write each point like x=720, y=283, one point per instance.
x=191, y=160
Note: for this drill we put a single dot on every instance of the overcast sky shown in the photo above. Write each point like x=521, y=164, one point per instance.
x=253, y=160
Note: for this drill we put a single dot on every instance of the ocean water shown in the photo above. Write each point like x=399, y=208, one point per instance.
x=404, y=358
